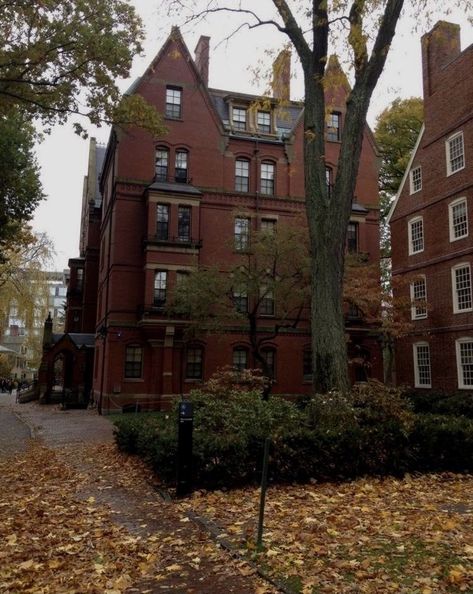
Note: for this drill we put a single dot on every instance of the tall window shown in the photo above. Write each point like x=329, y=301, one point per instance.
x=455, y=153
x=133, y=361
x=333, y=126
x=269, y=356
x=181, y=166
x=194, y=360
x=242, y=175
x=80, y=279
x=162, y=163
x=263, y=121
x=240, y=358
x=307, y=365
x=160, y=285
x=239, y=118
x=416, y=179
x=461, y=284
x=416, y=235
x=162, y=221
x=418, y=299
x=352, y=237
x=184, y=223
x=242, y=233
x=464, y=348
x=268, y=226
x=240, y=299
x=173, y=102
x=267, y=178
x=422, y=375
x=458, y=219
x=266, y=304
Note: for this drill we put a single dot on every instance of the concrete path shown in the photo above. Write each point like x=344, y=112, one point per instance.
x=14, y=434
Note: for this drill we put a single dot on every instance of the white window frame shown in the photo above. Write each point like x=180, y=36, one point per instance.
x=451, y=206
x=412, y=181
x=410, y=223
x=456, y=308
x=448, y=142
x=460, y=375
x=417, y=383
x=415, y=315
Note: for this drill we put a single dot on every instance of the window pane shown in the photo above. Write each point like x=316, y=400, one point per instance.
x=416, y=179
x=455, y=149
x=194, y=363
x=264, y=121
x=184, y=223
x=240, y=299
x=181, y=166
x=417, y=236
x=160, y=283
x=267, y=178
x=466, y=363
x=162, y=221
x=270, y=359
x=240, y=359
x=266, y=305
x=419, y=295
x=423, y=364
x=268, y=226
x=133, y=361
x=162, y=161
x=459, y=220
x=333, y=126
x=463, y=288
x=352, y=237
x=173, y=102
x=242, y=174
x=242, y=233
x=239, y=118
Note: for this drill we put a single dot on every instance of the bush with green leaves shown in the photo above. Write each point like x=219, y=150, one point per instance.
x=441, y=403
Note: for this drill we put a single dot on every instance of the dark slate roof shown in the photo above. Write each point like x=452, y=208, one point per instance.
x=174, y=187
x=358, y=208
x=100, y=152
x=79, y=339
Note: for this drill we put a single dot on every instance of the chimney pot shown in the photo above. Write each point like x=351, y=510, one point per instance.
x=202, y=57
x=282, y=76
x=440, y=46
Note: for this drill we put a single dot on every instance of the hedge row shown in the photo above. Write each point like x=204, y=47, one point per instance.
x=372, y=432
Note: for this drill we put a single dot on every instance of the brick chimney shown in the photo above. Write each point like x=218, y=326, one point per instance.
x=282, y=76
x=439, y=47
x=202, y=58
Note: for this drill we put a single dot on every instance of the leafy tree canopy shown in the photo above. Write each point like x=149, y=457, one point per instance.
x=20, y=186
x=60, y=58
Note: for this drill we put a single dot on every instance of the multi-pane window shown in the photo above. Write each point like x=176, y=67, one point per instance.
x=160, y=285
x=194, y=360
x=307, y=365
x=422, y=374
x=80, y=279
x=268, y=226
x=239, y=118
x=266, y=304
x=461, y=282
x=240, y=358
x=133, y=361
x=184, y=223
x=162, y=163
x=465, y=362
x=242, y=233
x=267, y=178
x=416, y=235
x=418, y=299
x=352, y=237
x=455, y=153
x=263, y=121
x=269, y=356
x=458, y=218
x=173, y=102
x=162, y=221
x=181, y=166
x=333, y=126
x=416, y=179
x=242, y=175
x=240, y=299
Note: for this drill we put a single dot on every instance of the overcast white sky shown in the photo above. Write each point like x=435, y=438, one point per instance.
x=63, y=155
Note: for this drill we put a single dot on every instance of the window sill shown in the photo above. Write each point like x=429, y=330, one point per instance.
x=461, y=311
x=190, y=380
x=133, y=380
x=449, y=173
x=170, y=118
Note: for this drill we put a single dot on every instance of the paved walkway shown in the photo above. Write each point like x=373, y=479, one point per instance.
x=14, y=434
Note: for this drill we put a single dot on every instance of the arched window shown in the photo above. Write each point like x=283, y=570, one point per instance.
x=181, y=170
x=269, y=355
x=162, y=163
x=194, y=362
x=267, y=178
x=242, y=175
x=240, y=358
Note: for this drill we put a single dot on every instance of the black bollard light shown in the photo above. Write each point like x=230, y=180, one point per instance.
x=184, y=449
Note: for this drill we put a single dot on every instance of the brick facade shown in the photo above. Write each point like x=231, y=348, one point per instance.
x=448, y=109
x=204, y=127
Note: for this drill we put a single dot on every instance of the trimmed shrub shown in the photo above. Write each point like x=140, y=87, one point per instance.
x=441, y=403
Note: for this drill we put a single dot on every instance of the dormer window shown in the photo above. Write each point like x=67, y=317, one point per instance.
x=173, y=102
x=333, y=126
x=239, y=118
x=263, y=121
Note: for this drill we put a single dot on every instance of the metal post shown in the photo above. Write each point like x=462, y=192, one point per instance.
x=264, y=485
x=184, y=449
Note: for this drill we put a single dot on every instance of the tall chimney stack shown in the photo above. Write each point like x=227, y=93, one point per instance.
x=282, y=76
x=202, y=58
x=439, y=47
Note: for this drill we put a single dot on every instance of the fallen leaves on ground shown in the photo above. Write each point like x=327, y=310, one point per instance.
x=410, y=536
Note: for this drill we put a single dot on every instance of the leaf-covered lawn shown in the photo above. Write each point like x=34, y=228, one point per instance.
x=412, y=536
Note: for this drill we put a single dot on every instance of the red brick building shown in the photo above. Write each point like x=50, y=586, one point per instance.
x=229, y=165
x=431, y=223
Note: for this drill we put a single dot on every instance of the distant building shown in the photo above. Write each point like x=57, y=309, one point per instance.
x=229, y=165
x=432, y=223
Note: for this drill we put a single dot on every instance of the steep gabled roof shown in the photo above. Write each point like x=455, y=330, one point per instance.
x=405, y=176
